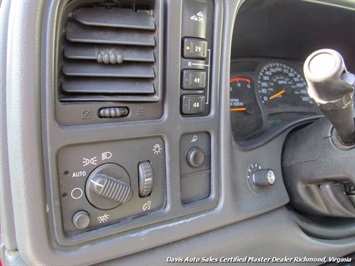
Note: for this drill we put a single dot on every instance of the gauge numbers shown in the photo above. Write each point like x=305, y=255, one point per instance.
x=240, y=94
x=243, y=106
x=280, y=85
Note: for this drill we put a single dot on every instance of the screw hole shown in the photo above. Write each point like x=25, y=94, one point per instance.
x=64, y=195
x=66, y=173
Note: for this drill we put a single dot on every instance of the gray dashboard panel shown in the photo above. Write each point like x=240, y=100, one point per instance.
x=33, y=217
x=259, y=237
x=6, y=223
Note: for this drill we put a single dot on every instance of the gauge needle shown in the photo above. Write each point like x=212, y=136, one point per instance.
x=277, y=94
x=239, y=109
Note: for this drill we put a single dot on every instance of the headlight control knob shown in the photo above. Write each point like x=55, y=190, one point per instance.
x=108, y=186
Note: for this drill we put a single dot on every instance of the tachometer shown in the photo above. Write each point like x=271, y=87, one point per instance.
x=245, y=112
x=241, y=94
x=280, y=85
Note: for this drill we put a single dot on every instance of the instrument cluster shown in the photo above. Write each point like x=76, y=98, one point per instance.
x=266, y=93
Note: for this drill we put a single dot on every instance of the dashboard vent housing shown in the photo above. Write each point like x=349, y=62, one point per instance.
x=110, y=53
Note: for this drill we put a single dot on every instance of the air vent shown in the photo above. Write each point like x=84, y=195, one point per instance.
x=110, y=54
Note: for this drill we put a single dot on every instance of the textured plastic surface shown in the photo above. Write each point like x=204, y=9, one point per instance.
x=108, y=186
x=120, y=26
x=193, y=79
x=79, y=166
x=193, y=104
x=81, y=33
x=311, y=160
x=100, y=86
x=114, y=56
x=195, y=15
x=145, y=179
x=201, y=140
x=289, y=243
x=89, y=52
x=194, y=48
x=115, y=17
x=195, y=179
x=30, y=179
x=7, y=228
x=81, y=69
x=113, y=112
x=197, y=49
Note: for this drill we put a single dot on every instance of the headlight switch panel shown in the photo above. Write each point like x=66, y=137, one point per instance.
x=111, y=182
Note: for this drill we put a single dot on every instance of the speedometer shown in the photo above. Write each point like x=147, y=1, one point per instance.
x=281, y=86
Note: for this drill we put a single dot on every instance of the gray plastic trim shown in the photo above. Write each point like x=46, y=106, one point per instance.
x=276, y=233
x=13, y=258
x=231, y=198
x=7, y=229
x=170, y=127
x=24, y=127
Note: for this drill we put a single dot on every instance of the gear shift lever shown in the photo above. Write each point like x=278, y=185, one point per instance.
x=332, y=90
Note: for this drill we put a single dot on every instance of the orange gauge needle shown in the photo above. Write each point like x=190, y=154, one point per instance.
x=239, y=109
x=277, y=94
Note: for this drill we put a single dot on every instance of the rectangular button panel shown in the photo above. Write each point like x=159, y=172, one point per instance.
x=195, y=166
x=195, y=48
x=193, y=104
x=78, y=164
x=196, y=57
x=193, y=79
x=196, y=15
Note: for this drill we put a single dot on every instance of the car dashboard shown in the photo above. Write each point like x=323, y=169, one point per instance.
x=141, y=132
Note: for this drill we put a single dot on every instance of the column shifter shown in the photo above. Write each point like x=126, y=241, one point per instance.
x=318, y=172
x=331, y=86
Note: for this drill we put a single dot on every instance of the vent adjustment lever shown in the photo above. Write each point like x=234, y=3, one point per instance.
x=113, y=112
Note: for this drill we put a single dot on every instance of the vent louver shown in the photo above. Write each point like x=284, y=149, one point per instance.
x=109, y=53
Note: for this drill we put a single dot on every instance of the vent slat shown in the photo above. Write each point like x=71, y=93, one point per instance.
x=108, y=86
x=92, y=69
x=80, y=33
x=115, y=17
x=90, y=52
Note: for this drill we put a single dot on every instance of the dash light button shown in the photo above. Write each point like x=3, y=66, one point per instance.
x=145, y=173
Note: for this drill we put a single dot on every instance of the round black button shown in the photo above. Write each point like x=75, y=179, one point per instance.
x=81, y=220
x=195, y=157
